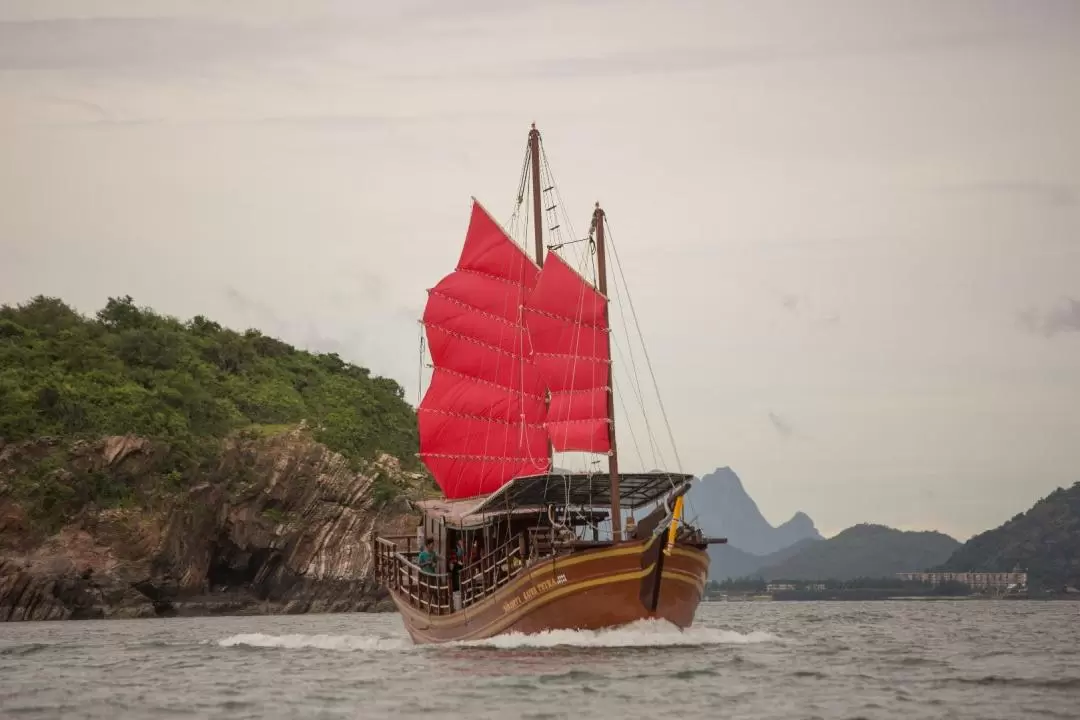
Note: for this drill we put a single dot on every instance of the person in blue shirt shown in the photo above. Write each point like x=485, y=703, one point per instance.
x=426, y=558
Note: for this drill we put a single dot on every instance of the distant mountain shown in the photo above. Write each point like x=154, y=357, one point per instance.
x=1044, y=542
x=725, y=509
x=729, y=562
x=863, y=551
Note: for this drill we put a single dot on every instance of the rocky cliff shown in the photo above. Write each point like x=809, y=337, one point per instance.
x=279, y=525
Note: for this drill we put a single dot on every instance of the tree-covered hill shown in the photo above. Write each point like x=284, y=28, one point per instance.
x=1044, y=542
x=864, y=551
x=186, y=385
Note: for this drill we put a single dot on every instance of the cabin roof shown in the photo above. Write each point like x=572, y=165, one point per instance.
x=531, y=494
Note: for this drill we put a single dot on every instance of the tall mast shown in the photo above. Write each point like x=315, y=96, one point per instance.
x=613, y=458
x=538, y=231
x=538, y=217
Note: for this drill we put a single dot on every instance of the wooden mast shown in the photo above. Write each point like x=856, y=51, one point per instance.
x=538, y=217
x=613, y=457
x=538, y=230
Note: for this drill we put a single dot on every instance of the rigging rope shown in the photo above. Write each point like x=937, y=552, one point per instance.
x=635, y=384
x=420, y=370
x=514, y=216
x=586, y=263
x=645, y=351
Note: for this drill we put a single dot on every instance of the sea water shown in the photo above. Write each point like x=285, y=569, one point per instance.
x=943, y=659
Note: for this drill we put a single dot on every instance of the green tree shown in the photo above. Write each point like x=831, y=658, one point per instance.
x=187, y=385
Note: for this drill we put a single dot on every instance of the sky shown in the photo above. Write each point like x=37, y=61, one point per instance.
x=850, y=229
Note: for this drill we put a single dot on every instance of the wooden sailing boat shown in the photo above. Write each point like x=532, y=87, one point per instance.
x=521, y=359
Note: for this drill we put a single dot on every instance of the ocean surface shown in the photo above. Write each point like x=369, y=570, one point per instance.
x=942, y=659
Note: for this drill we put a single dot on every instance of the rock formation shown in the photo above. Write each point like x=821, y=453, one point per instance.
x=280, y=525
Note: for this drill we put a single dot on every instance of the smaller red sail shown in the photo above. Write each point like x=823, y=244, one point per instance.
x=481, y=419
x=566, y=318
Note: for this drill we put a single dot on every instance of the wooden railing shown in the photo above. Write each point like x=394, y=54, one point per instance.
x=492, y=571
x=432, y=592
x=427, y=591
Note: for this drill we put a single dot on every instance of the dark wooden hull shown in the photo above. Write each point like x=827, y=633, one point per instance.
x=587, y=590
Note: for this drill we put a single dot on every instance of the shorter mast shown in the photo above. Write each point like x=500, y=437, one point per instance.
x=613, y=456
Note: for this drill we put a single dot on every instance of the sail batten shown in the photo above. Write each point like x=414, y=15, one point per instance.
x=566, y=319
x=482, y=418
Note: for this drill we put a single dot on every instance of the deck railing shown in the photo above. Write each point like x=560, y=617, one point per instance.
x=397, y=570
x=483, y=577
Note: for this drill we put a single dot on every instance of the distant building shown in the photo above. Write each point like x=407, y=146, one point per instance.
x=778, y=587
x=974, y=580
x=782, y=587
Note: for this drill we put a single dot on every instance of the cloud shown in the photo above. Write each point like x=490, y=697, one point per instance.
x=1063, y=317
x=164, y=39
x=128, y=43
x=910, y=37
x=1042, y=192
x=829, y=319
x=782, y=426
x=253, y=310
x=798, y=305
x=192, y=44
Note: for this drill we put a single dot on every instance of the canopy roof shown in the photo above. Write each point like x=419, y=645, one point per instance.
x=530, y=494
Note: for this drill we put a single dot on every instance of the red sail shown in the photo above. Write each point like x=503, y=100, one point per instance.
x=565, y=316
x=481, y=419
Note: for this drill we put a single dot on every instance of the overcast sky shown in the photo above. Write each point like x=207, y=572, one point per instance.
x=851, y=229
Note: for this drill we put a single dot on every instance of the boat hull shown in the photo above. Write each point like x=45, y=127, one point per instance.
x=588, y=590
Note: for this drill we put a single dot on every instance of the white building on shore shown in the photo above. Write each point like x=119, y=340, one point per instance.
x=975, y=580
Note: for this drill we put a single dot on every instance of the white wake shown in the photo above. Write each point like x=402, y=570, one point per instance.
x=644, y=633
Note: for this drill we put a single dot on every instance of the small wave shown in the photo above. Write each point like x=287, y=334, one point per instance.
x=915, y=660
x=23, y=650
x=693, y=673
x=643, y=633
x=573, y=676
x=1059, y=683
x=343, y=643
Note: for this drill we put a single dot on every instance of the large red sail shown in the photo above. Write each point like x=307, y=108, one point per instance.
x=567, y=324
x=481, y=419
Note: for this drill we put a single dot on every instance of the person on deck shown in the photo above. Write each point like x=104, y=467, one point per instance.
x=426, y=558
x=457, y=561
x=474, y=552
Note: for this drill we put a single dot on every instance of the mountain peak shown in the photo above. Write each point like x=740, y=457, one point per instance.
x=725, y=509
x=724, y=476
x=801, y=524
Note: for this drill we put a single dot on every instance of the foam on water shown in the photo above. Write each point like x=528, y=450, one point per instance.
x=644, y=633
x=346, y=643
